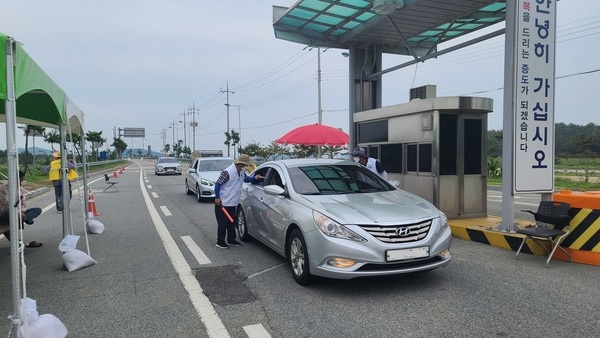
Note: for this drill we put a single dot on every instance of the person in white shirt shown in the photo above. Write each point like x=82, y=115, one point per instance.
x=228, y=189
x=360, y=156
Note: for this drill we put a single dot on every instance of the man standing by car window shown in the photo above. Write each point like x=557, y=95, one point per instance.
x=228, y=189
x=360, y=156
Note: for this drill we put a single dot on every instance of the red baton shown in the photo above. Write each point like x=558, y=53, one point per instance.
x=227, y=214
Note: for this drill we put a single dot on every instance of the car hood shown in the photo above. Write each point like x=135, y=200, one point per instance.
x=368, y=208
x=210, y=175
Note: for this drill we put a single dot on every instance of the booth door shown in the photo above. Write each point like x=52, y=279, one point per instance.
x=463, y=182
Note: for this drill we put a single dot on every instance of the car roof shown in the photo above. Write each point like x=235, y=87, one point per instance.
x=301, y=162
x=214, y=158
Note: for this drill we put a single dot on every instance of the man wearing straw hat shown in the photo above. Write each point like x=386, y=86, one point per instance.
x=228, y=189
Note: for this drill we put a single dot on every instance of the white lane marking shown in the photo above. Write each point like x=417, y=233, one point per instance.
x=149, y=186
x=256, y=331
x=266, y=270
x=195, y=250
x=203, y=306
x=165, y=210
x=155, y=195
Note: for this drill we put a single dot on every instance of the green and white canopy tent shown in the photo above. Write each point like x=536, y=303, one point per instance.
x=29, y=96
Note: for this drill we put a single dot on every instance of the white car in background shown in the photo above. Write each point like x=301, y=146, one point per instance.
x=202, y=174
x=167, y=165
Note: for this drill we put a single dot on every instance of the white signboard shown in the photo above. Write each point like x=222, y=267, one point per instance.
x=534, y=97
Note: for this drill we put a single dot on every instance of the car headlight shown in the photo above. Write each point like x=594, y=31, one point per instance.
x=443, y=224
x=332, y=228
x=179, y=168
x=204, y=181
x=160, y=167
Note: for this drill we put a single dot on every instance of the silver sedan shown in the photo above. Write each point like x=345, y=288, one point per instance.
x=336, y=219
x=202, y=175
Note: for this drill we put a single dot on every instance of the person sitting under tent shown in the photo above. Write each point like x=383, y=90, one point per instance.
x=27, y=215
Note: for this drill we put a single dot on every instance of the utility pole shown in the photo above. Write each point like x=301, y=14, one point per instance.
x=239, y=144
x=194, y=125
x=227, y=104
x=184, y=128
x=320, y=112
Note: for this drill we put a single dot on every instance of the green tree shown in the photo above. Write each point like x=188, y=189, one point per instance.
x=29, y=129
x=303, y=151
x=75, y=139
x=275, y=150
x=331, y=150
x=232, y=138
x=254, y=149
x=178, y=148
x=119, y=146
x=586, y=140
x=96, y=139
x=52, y=137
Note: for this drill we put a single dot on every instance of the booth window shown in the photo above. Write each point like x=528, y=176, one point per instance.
x=425, y=152
x=411, y=157
x=473, y=146
x=391, y=157
x=418, y=157
x=374, y=152
x=448, y=140
x=370, y=132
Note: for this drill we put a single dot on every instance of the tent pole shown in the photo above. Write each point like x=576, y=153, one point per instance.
x=13, y=165
x=66, y=213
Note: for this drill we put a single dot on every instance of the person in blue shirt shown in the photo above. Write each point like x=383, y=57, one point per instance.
x=228, y=189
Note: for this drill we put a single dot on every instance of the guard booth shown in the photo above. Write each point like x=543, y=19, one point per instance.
x=436, y=147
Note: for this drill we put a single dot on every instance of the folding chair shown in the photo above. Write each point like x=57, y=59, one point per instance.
x=111, y=184
x=551, y=213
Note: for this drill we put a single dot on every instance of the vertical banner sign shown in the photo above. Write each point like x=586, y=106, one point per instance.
x=534, y=96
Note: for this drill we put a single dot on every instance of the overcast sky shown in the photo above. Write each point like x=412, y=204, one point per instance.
x=144, y=63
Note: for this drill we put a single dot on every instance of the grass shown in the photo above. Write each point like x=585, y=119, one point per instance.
x=37, y=178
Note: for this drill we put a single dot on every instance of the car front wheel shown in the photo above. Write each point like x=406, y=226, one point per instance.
x=241, y=226
x=297, y=256
x=187, y=188
x=198, y=193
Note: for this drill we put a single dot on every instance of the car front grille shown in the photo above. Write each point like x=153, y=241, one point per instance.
x=400, y=265
x=402, y=233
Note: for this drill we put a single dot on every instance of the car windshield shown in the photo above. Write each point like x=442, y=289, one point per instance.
x=336, y=179
x=214, y=165
x=167, y=160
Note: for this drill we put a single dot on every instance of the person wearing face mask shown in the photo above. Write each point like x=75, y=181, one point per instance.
x=360, y=156
x=228, y=189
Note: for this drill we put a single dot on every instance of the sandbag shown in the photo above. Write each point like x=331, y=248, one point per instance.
x=77, y=259
x=95, y=227
x=39, y=326
x=46, y=326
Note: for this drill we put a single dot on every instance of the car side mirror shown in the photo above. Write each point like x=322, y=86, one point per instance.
x=192, y=171
x=273, y=190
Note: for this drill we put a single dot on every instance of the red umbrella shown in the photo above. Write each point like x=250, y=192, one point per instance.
x=315, y=135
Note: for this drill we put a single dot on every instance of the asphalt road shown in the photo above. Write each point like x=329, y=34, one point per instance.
x=158, y=274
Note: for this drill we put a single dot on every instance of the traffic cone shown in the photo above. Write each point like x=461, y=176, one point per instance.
x=121, y=170
x=92, y=204
x=115, y=173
